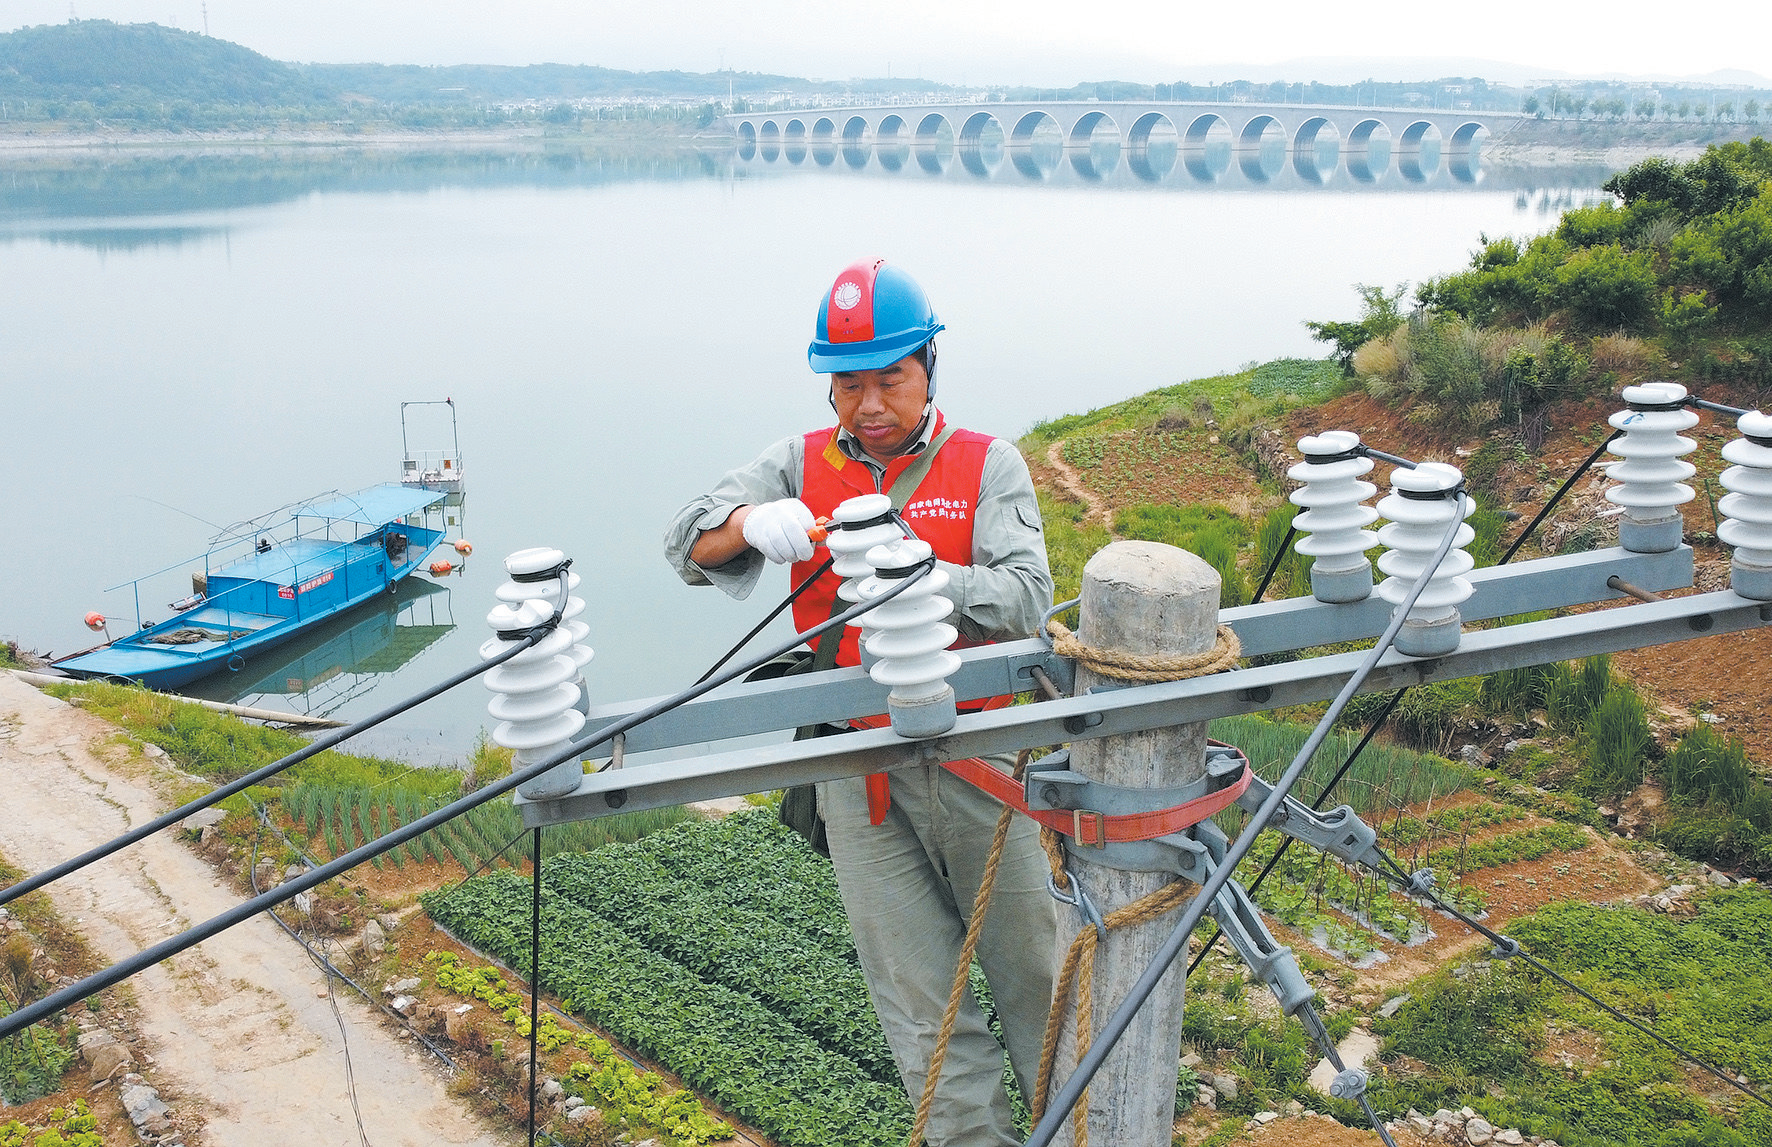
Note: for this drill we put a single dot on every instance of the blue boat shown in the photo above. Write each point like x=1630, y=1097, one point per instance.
x=267, y=580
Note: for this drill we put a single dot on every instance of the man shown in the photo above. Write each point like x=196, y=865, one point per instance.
x=909, y=850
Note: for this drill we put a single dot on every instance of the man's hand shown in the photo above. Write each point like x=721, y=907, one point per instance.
x=780, y=530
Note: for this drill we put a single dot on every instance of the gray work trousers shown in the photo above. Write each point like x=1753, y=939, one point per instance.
x=908, y=886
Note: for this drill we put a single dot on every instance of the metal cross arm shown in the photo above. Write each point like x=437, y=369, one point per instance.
x=745, y=708
x=1123, y=710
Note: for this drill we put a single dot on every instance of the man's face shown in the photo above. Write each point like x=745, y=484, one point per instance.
x=882, y=407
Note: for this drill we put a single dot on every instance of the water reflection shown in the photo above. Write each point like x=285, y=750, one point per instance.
x=126, y=239
x=319, y=673
x=1262, y=157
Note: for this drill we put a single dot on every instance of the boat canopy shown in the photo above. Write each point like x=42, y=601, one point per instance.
x=375, y=506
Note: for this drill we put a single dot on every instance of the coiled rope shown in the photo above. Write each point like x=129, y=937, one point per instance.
x=1124, y=666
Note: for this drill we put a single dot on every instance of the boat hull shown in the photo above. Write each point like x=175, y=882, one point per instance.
x=259, y=603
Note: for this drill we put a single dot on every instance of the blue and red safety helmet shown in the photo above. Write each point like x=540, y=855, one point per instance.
x=872, y=316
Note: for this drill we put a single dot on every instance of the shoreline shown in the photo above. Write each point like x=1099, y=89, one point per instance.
x=1548, y=144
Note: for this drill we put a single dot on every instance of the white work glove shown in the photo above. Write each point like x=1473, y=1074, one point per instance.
x=779, y=530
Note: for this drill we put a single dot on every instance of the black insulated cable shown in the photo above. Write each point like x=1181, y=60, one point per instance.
x=1274, y=566
x=1558, y=497
x=790, y=599
x=172, y=946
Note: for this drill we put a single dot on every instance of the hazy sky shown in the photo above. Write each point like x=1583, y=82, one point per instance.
x=972, y=41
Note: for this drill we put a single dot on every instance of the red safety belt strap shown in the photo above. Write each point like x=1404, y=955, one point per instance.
x=879, y=789
x=1097, y=828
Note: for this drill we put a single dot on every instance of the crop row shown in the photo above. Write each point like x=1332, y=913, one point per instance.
x=721, y=1042
x=744, y=949
x=346, y=816
x=637, y=1100
x=751, y=861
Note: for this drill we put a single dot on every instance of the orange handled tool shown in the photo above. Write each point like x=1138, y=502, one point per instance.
x=821, y=529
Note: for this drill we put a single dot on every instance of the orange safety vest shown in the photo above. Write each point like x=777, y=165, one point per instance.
x=939, y=512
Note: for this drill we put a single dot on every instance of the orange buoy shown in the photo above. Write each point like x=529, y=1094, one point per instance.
x=95, y=621
x=441, y=566
x=463, y=547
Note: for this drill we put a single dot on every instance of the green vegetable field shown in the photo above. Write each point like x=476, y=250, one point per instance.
x=719, y=950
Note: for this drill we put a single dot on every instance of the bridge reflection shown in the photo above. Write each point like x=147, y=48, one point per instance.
x=1257, y=145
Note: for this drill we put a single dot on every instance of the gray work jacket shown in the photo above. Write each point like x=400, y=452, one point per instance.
x=999, y=597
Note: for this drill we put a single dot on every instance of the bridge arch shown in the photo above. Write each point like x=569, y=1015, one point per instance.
x=1418, y=151
x=889, y=149
x=855, y=129
x=1088, y=145
x=1253, y=155
x=793, y=141
x=1151, y=163
x=1465, y=151
x=769, y=141
x=1206, y=147
x=1316, y=150
x=1368, y=150
x=823, y=129
x=934, y=142
x=981, y=144
x=747, y=140
x=1032, y=162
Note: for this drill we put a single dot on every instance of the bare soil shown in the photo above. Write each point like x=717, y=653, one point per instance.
x=238, y=1034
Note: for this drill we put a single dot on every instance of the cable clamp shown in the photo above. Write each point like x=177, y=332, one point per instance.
x=537, y=631
x=1421, y=882
x=1506, y=947
x=1349, y=1083
x=548, y=574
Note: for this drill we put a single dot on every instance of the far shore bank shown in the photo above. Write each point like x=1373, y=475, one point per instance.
x=1549, y=143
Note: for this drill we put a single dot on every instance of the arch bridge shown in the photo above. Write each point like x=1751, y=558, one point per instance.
x=1366, y=137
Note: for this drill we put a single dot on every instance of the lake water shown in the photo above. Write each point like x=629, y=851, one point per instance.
x=198, y=339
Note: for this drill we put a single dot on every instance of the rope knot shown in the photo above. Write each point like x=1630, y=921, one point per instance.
x=1123, y=666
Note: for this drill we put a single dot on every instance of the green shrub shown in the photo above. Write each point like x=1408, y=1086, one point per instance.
x=1617, y=740
x=1572, y=695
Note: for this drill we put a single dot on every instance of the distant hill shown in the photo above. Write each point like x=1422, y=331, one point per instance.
x=411, y=83
x=107, y=63
x=115, y=65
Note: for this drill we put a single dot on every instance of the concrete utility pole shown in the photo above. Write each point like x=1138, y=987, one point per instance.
x=1155, y=600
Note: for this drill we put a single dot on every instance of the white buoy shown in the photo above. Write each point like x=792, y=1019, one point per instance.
x=1748, y=507
x=1335, y=515
x=1421, y=507
x=540, y=697
x=1649, y=483
x=909, y=640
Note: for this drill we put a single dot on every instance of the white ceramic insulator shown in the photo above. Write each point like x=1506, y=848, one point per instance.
x=539, y=697
x=1650, y=481
x=527, y=565
x=1333, y=496
x=849, y=542
x=907, y=634
x=1748, y=505
x=1417, y=527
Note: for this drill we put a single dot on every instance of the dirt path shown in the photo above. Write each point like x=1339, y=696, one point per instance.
x=1067, y=479
x=241, y=1030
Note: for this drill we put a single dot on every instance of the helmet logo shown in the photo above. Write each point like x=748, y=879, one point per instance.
x=846, y=295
